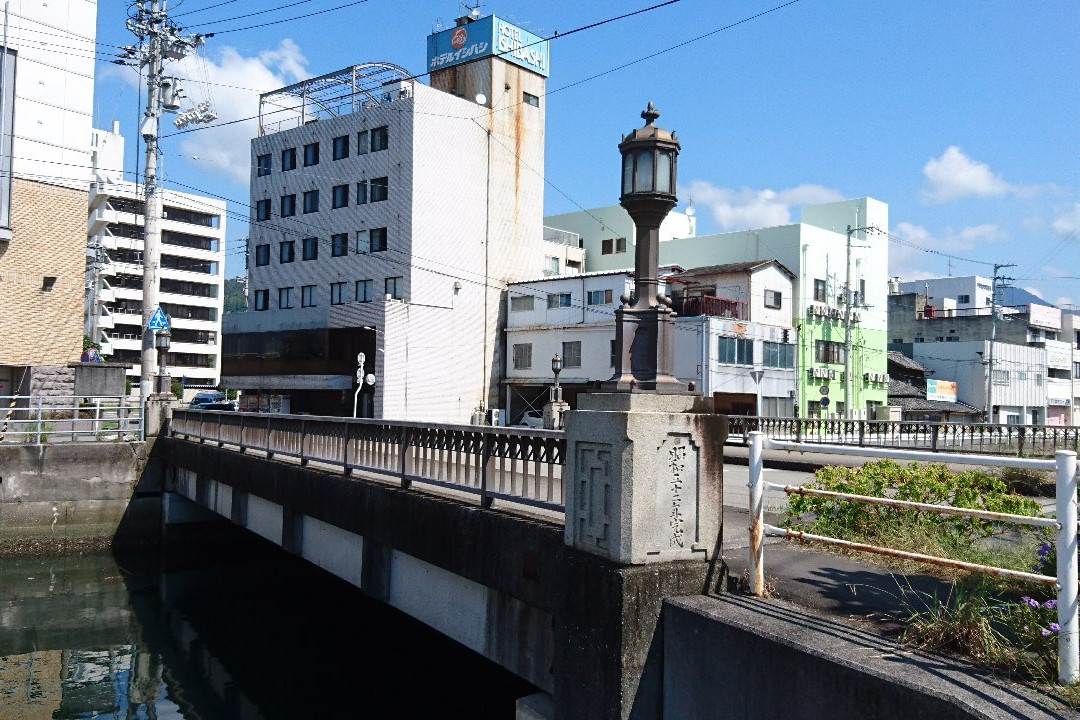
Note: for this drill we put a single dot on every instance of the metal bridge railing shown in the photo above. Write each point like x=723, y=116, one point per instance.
x=1065, y=581
x=41, y=419
x=524, y=466
x=1018, y=440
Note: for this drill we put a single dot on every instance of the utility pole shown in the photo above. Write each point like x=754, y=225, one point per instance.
x=849, y=386
x=993, y=336
x=159, y=40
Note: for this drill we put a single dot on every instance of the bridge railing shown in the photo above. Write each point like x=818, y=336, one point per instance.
x=41, y=419
x=996, y=439
x=1065, y=580
x=520, y=465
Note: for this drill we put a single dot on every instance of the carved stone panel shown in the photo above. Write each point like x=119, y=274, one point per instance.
x=677, y=507
x=593, y=511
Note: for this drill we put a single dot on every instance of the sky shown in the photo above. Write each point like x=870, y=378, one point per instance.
x=963, y=116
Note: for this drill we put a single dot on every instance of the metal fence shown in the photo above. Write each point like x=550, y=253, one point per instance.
x=1019, y=440
x=41, y=419
x=524, y=466
x=1065, y=581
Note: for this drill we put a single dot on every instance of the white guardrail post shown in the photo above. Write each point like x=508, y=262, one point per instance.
x=1069, y=632
x=757, y=515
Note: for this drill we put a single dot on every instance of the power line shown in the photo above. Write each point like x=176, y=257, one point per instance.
x=907, y=243
x=283, y=20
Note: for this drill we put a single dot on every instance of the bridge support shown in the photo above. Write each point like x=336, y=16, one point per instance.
x=644, y=504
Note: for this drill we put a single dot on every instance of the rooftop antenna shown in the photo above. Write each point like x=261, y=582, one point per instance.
x=438, y=25
x=473, y=10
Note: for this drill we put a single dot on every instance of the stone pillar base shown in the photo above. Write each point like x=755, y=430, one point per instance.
x=644, y=477
x=158, y=414
x=555, y=415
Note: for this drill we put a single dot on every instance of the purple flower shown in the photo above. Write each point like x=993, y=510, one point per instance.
x=1045, y=632
x=1054, y=627
x=1033, y=603
x=1027, y=629
x=1044, y=550
x=1050, y=604
x=1025, y=599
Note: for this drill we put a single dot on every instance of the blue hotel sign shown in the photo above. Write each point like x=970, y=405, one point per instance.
x=490, y=36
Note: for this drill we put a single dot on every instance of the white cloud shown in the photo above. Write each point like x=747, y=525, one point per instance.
x=1068, y=222
x=910, y=262
x=954, y=175
x=749, y=208
x=1035, y=291
x=238, y=80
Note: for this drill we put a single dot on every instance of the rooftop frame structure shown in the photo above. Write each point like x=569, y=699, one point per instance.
x=341, y=92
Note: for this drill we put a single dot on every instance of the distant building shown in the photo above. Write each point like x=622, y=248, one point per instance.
x=923, y=399
x=389, y=217
x=608, y=234
x=191, y=274
x=46, y=106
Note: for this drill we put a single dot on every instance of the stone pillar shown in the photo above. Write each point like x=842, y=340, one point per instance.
x=158, y=414
x=555, y=415
x=644, y=499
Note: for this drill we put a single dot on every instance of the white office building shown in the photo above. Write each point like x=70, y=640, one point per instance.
x=191, y=273
x=389, y=217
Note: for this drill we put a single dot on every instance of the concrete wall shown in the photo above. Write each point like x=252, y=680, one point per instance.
x=739, y=657
x=67, y=496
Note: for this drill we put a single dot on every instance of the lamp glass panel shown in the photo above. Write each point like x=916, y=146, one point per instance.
x=663, y=172
x=643, y=171
x=628, y=173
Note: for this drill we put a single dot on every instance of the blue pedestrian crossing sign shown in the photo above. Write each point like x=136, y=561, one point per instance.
x=158, y=321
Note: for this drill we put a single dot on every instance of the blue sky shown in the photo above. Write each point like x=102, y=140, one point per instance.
x=961, y=115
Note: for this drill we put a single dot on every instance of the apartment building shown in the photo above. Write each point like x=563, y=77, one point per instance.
x=191, y=274
x=389, y=217
x=46, y=110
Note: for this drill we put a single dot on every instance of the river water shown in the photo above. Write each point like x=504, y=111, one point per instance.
x=256, y=634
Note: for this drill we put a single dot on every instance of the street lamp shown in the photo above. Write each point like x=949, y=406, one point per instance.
x=645, y=322
x=162, y=341
x=556, y=367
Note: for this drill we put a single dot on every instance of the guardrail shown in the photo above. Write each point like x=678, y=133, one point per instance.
x=1019, y=440
x=1064, y=464
x=511, y=464
x=41, y=419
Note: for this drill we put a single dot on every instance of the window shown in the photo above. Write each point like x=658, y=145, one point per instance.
x=262, y=165
x=523, y=356
x=377, y=237
x=341, y=147
x=620, y=245
x=307, y=296
x=284, y=298
x=735, y=351
x=394, y=287
x=530, y=99
x=1076, y=370
x=813, y=409
x=287, y=251
x=610, y=245
x=364, y=290
x=262, y=255
x=339, y=245
x=829, y=352
x=288, y=205
x=571, y=354
x=362, y=142
x=819, y=291
x=288, y=159
x=311, y=201
x=605, y=246
x=339, y=196
x=772, y=299
x=600, y=297
x=521, y=303
x=380, y=138
x=363, y=244
x=361, y=192
x=862, y=293
x=311, y=154
x=551, y=265
x=612, y=359
x=558, y=300
x=1001, y=377
x=775, y=407
x=262, y=209
x=311, y=248
x=778, y=355
x=262, y=299
x=337, y=293
x=963, y=299
x=379, y=189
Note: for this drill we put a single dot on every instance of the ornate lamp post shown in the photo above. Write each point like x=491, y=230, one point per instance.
x=645, y=322
x=556, y=367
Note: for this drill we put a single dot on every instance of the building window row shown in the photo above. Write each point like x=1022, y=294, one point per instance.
x=612, y=245
x=735, y=351
x=364, y=291
x=372, y=140
x=523, y=355
x=367, y=241
x=373, y=191
x=826, y=351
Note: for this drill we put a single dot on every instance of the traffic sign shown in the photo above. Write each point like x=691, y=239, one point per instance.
x=158, y=321
x=824, y=389
x=824, y=401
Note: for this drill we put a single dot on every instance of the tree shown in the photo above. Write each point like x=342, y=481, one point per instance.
x=235, y=299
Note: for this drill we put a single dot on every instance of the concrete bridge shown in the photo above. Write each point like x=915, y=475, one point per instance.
x=467, y=529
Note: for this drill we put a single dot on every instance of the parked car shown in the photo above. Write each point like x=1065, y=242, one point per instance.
x=230, y=406
x=532, y=419
x=204, y=398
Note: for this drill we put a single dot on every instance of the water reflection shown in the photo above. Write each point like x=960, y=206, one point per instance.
x=257, y=635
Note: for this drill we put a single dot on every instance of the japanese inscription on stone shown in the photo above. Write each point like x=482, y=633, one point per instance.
x=676, y=521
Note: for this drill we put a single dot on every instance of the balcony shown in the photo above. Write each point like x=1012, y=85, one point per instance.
x=710, y=306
